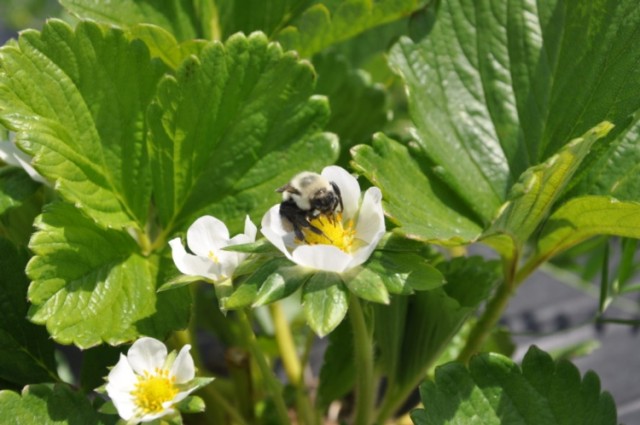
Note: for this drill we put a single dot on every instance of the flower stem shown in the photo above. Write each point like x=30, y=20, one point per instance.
x=286, y=345
x=267, y=373
x=291, y=363
x=363, y=353
x=495, y=307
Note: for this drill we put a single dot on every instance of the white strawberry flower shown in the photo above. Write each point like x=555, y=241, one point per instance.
x=146, y=384
x=206, y=238
x=11, y=155
x=347, y=240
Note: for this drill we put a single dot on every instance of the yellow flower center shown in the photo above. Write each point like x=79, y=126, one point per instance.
x=334, y=232
x=213, y=257
x=152, y=390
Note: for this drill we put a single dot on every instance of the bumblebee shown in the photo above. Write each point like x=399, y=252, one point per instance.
x=307, y=196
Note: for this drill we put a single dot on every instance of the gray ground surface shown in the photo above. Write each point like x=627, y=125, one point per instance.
x=543, y=305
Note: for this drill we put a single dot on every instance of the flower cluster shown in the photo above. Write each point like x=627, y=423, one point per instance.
x=346, y=239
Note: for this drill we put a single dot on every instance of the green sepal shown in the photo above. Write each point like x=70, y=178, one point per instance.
x=191, y=404
x=246, y=292
x=404, y=272
x=325, y=302
x=180, y=281
x=365, y=283
x=261, y=246
x=284, y=282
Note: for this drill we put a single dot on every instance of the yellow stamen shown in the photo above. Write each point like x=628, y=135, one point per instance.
x=152, y=390
x=213, y=257
x=334, y=232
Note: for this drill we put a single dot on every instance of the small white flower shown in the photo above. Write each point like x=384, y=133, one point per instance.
x=146, y=383
x=206, y=238
x=345, y=242
x=11, y=155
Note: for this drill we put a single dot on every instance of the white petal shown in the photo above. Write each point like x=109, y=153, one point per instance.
x=322, y=257
x=205, y=233
x=147, y=354
x=183, y=368
x=190, y=264
x=120, y=382
x=371, y=216
x=349, y=188
x=250, y=229
x=272, y=229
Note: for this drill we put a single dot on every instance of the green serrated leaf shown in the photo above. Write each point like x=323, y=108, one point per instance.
x=325, y=302
x=585, y=217
x=413, y=331
x=236, y=117
x=162, y=44
x=496, y=87
x=330, y=22
x=533, y=197
x=412, y=199
x=346, y=87
x=613, y=169
x=50, y=404
x=77, y=100
x=184, y=19
x=26, y=352
x=497, y=390
x=92, y=285
x=257, y=15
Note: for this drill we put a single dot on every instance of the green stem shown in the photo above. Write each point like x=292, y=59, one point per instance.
x=363, y=353
x=286, y=345
x=267, y=373
x=291, y=363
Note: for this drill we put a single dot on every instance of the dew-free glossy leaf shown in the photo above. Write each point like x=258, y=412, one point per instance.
x=585, y=217
x=49, y=405
x=411, y=199
x=615, y=171
x=26, y=352
x=413, y=330
x=185, y=19
x=235, y=124
x=329, y=22
x=497, y=390
x=533, y=197
x=77, y=100
x=325, y=302
x=496, y=87
x=162, y=44
x=91, y=285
